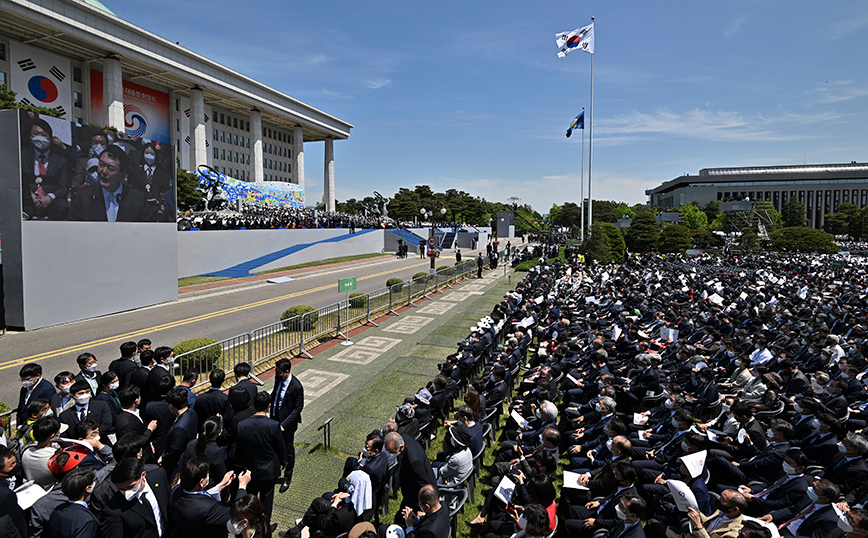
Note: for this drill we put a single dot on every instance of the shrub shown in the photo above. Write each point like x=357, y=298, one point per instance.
x=394, y=282
x=442, y=268
x=420, y=275
x=289, y=313
x=803, y=239
x=358, y=300
x=204, y=360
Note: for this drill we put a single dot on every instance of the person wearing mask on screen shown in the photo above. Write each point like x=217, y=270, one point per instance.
x=113, y=200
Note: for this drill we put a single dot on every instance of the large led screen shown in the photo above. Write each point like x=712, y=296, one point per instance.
x=86, y=173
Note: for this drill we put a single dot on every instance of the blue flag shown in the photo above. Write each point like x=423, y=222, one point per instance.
x=578, y=123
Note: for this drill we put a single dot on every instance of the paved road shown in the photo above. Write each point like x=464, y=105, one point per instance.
x=216, y=315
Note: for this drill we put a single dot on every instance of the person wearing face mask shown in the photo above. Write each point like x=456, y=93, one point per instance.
x=108, y=393
x=724, y=522
x=72, y=519
x=849, y=470
x=62, y=400
x=195, y=512
x=805, y=423
x=854, y=522
x=46, y=175
x=787, y=490
x=150, y=177
x=88, y=371
x=834, y=402
x=739, y=377
x=140, y=507
x=33, y=387
x=163, y=359
x=763, y=465
x=86, y=408
x=246, y=518
x=35, y=457
x=36, y=410
x=814, y=517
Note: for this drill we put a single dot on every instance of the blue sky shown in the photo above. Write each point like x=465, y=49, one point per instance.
x=471, y=95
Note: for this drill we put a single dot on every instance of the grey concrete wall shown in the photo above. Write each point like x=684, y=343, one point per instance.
x=203, y=252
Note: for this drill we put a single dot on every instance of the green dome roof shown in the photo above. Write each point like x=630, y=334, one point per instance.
x=99, y=5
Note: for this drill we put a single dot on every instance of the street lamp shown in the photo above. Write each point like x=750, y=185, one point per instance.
x=432, y=252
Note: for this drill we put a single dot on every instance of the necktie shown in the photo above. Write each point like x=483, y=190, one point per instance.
x=157, y=515
x=111, y=208
x=800, y=515
x=42, y=168
x=81, y=414
x=275, y=406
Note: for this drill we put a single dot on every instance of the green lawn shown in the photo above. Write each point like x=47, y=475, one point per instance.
x=194, y=280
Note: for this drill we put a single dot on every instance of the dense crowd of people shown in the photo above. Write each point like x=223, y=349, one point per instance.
x=702, y=397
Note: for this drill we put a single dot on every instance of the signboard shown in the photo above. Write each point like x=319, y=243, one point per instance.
x=837, y=264
x=432, y=241
x=271, y=193
x=146, y=111
x=346, y=284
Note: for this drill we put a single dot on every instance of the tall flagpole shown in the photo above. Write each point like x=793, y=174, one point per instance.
x=591, y=139
x=582, y=183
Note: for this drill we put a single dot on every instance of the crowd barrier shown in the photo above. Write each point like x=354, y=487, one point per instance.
x=296, y=336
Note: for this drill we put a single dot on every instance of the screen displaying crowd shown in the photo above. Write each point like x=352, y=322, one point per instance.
x=674, y=398
x=85, y=173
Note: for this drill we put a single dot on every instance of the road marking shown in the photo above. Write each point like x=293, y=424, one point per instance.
x=408, y=324
x=180, y=323
x=366, y=350
x=317, y=382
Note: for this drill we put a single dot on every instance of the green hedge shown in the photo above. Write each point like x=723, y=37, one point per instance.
x=420, y=275
x=394, y=282
x=204, y=360
x=289, y=313
x=358, y=300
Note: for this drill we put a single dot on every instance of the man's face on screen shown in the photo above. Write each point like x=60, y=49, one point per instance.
x=110, y=173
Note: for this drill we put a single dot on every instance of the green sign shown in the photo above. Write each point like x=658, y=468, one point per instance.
x=346, y=284
x=837, y=264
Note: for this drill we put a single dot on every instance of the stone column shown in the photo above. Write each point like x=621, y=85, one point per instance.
x=113, y=93
x=256, y=141
x=198, y=136
x=298, y=155
x=328, y=187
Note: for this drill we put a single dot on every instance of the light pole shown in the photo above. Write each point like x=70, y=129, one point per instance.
x=432, y=252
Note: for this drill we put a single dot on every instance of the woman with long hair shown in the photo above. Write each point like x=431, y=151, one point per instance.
x=247, y=519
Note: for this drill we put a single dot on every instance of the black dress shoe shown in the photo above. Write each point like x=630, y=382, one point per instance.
x=284, y=485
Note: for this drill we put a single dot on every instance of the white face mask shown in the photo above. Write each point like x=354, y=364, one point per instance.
x=797, y=407
x=609, y=445
x=789, y=469
x=770, y=434
x=812, y=494
x=669, y=404
x=114, y=386
x=48, y=413
x=82, y=400
x=621, y=515
x=150, y=159
x=235, y=528
x=96, y=150
x=537, y=413
x=131, y=493
x=26, y=383
x=599, y=408
x=842, y=448
x=91, y=368
x=844, y=525
x=684, y=446
x=65, y=390
x=40, y=143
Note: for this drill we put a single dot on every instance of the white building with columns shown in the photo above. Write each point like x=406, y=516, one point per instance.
x=101, y=69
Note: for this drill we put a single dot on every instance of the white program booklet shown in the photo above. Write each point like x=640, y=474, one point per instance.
x=520, y=420
x=28, y=493
x=505, y=490
x=571, y=480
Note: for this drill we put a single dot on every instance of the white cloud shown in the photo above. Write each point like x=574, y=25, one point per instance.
x=852, y=23
x=837, y=92
x=376, y=84
x=734, y=27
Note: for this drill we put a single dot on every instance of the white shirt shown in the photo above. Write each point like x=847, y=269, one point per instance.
x=148, y=494
x=135, y=413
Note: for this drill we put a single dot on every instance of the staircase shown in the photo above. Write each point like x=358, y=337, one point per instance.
x=448, y=239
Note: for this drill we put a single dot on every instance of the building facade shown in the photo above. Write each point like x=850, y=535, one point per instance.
x=78, y=57
x=820, y=188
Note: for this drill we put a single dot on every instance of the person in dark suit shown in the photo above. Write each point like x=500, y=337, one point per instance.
x=88, y=372
x=160, y=411
x=788, y=490
x=108, y=394
x=139, y=377
x=125, y=365
x=434, y=524
x=242, y=409
x=242, y=379
x=817, y=519
x=33, y=387
x=261, y=450
x=8, y=498
x=414, y=468
x=197, y=515
x=632, y=507
x=140, y=507
x=130, y=422
x=151, y=178
x=46, y=175
x=87, y=408
x=72, y=519
x=62, y=400
x=499, y=389
x=113, y=199
x=182, y=431
x=287, y=402
x=162, y=359
x=215, y=401
x=205, y=447
x=797, y=382
x=849, y=470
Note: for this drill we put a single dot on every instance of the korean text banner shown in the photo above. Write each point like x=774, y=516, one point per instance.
x=146, y=111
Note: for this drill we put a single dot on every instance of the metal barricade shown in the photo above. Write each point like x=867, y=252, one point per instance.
x=274, y=339
x=397, y=297
x=320, y=323
x=378, y=304
x=229, y=351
